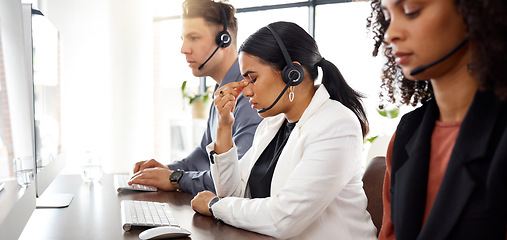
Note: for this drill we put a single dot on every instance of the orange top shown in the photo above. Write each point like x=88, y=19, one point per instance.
x=442, y=142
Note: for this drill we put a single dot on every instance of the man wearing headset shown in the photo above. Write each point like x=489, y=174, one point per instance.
x=209, y=44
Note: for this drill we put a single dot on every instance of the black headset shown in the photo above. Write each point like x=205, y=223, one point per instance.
x=293, y=73
x=223, y=38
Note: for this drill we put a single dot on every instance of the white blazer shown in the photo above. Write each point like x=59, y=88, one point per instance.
x=316, y=190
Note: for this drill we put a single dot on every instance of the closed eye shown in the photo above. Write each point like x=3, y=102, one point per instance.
x=413, y=14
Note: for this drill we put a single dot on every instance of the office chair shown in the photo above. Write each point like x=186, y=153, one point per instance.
x=373, y=181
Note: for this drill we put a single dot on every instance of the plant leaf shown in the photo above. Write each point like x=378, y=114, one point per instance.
x=371, y=139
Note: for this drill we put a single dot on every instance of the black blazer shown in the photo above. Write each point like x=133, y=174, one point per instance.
x=472, y=200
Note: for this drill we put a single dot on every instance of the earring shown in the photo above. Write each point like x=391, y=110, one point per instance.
x=291, y=93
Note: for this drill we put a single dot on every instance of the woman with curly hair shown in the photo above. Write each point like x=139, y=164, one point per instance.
x=446, y=172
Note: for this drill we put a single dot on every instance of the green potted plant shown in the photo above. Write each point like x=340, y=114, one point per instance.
x=389, y=113
x=198, y=101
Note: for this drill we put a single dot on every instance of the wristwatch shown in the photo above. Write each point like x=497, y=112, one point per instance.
x=176, y=176
x=211, y=203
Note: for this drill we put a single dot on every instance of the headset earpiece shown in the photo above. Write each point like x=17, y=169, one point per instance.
x=223, y=38
x=293, y=74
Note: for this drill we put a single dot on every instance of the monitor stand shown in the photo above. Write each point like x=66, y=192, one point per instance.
x=54, y=200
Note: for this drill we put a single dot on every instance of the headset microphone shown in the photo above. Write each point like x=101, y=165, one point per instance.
x=216, y=49
x=278, y=98
x=421, y=69
x=223, y=38
x=292, y=74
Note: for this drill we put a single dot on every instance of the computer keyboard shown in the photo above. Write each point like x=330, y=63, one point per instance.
x=121, y=183
x=146, y=214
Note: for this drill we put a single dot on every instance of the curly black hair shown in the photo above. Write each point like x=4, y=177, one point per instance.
x=487, y=30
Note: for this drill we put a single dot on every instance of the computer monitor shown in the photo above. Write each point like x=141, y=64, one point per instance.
x=43, y=49
x=16, y=121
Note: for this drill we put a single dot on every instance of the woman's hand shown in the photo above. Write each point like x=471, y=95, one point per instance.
x=201, y=201
x=225, y=102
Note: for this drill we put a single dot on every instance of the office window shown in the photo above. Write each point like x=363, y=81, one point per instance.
x=238, y=4
x=165, y=8
x=250, y=22
x=349, y=47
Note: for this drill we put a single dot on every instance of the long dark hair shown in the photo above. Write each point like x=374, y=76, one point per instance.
x=487, y=28
x=303, y=48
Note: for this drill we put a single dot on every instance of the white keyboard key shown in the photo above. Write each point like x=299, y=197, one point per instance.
x=146, y=213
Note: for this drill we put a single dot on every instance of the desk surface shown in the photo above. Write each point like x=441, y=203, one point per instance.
x=94, y=213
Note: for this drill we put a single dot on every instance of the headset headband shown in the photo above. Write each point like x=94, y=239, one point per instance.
x=282, y=46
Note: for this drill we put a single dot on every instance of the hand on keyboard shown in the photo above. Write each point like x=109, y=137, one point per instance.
x=152, y=163
x=157, y=177
x=121, y=184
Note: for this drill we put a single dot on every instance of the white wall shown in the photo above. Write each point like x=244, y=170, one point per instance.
x=131, y=51
x=106, y=79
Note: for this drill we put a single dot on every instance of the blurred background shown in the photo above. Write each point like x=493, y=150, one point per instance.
x=122, y=72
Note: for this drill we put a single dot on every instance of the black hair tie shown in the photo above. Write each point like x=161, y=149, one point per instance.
x=321, y=61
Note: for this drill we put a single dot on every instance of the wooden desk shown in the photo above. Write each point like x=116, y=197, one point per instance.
x=94, y=213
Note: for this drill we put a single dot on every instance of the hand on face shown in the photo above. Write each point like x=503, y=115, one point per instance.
x=156, y=176
x=201, y=201
x=225, y=101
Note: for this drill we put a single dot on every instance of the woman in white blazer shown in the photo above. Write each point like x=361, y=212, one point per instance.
x=302, y=176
